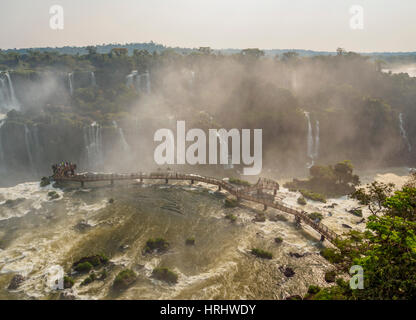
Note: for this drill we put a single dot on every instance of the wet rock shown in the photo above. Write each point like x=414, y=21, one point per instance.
x=297, y=255
x=330, y=276
x=260, y=217
x=67, y=295
x=53, y=195
x=124, y=247
x=288, y=272
x=82, y=226
x=361, y=221
x=346, y=226
x=16, y=282
x=13, y=203
x=45, y=181
x=278, y=240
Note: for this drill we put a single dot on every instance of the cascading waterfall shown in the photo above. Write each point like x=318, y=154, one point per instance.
x=31, y=143
x=93, y=81
x=147, y=77
x=2, y=122
x=93, y=145
x=316, y=149
x=122, y=139
x=8, y=98
x=403, y=132
x=70, y=82
x=312, y=144
x=130, y=78
x=14, y=102
x=135, y=79
x=3, y=94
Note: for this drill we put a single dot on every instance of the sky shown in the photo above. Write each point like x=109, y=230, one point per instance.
x=387, y=25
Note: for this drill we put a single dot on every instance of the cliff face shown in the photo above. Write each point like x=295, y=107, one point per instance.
x=56, y=126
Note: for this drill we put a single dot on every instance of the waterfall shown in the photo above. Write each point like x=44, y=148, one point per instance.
x=312, y=143
x=70, y=82
x=3, y=94
x=93, y=145
x=316, y=149
x=309, y=140
x=147, y=76
x=2, y=122
x=30, y=148
x=14, y=102
x=130, y=78
x=8, y=98
x=93, y=81
x=403, y=132
x=122, y=139
x=135, y=79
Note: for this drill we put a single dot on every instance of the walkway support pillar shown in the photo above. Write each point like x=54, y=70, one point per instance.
x=297, y=221
x=219, y=188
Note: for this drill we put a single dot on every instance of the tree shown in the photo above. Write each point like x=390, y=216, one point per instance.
x=374, y=196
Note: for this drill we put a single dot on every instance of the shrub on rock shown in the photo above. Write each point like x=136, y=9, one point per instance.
x=158, y=244
x=165, y=274
x=261, y=253
x=190, y=241
x=301, y=201
x=124, y=279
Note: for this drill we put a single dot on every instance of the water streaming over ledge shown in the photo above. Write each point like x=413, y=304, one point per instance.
x=93, y=145
x=404, y=133
x=312, y=141
x=8, y=98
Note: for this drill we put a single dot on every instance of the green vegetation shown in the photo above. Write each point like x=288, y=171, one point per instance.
x=92, y=277
x=301, y=201
x=357, y=212
x=278, y=240
x=86, y=264
x=53, y=195
x=332, y=255
x=313, y=196
x=239, y=182
x=230, y=203
x=165, y=274
x=124, y=279
x=158, y=245
x=68, y=282
x=330, y=181
x=261, y=253
x=83, y=267
x=330, y=276
x=231, y=217
x=316, y=216
x=44, y=182
x=386, y=250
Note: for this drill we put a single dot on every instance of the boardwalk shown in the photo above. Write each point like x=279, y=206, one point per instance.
x=254, y=193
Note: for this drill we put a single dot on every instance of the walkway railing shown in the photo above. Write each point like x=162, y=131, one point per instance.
x=266, y=199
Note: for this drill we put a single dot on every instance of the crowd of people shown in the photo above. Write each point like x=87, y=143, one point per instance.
x=64, y=169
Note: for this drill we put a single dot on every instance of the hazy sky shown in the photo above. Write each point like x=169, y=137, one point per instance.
x=389, y=25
